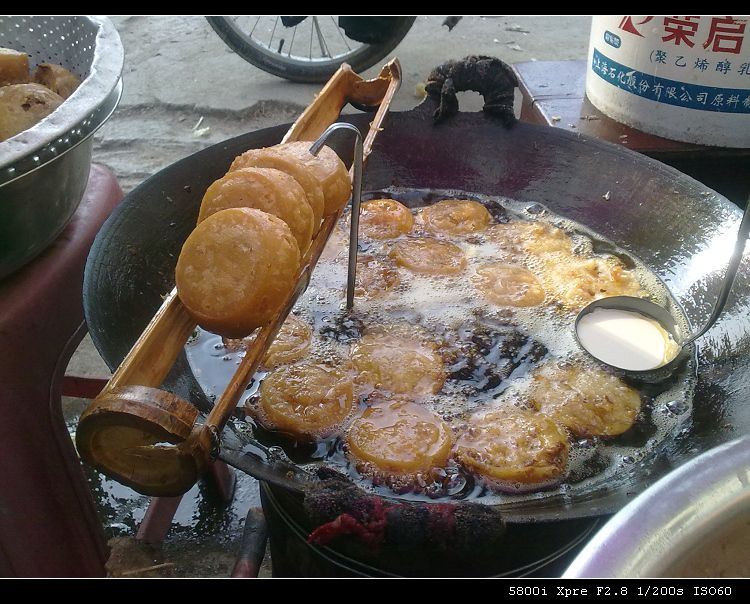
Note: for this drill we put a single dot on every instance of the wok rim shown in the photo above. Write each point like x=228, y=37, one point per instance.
x=513, y=512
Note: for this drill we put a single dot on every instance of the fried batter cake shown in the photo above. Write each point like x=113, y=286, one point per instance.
x=575, y=282
x=508, y=285
x=327, y=168
x=23, y=105
x=588, y=401
x=518, y=238
x=384, y=219
x=455, y=217
x=304, y=175
x=266, y=189
x=374, y=277
x=512, y=449
x=398, y=438
x=235, y=270
x=14, y=67
x=398, y=362
x=429, y=256
x=306, y=400
x=291, y=343
x=58, y=79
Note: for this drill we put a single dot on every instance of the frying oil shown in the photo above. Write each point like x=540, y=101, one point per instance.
x=489, y=352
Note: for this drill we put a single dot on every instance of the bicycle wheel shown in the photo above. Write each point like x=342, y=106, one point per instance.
x=308, y=52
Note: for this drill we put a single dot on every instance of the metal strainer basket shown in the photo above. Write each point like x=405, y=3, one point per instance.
x=44, y=170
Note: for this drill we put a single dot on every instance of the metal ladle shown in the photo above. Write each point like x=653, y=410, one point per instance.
x=662, y=316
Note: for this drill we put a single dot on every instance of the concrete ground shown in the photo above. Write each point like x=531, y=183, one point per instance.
x=184, y=90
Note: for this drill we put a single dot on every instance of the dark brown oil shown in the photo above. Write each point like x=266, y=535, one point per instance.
x=488, y=352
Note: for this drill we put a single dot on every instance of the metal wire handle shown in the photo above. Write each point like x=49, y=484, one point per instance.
x=729, y=275
x=356, y=200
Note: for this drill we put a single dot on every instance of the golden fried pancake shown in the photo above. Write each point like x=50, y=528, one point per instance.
x=514, y=450
x=374, y=277
x=267, y=189
x=575, y=281
x=384, y=219
x=455, y=217
x=306, y=400
x=235, y=270
x=428, y=256
x=508, y=285
x=519, y=238
x=589, y=401
x=328, y=169
x=398, y=363
x=269, y=158
x=290, y=344
x=399, y=437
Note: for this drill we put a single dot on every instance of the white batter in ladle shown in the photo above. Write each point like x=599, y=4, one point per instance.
x=634, y=334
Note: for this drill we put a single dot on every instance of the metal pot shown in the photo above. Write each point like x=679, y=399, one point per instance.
x=694, y=522
x=44, y=170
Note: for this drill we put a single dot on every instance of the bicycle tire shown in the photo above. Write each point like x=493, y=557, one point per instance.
x=362, y=58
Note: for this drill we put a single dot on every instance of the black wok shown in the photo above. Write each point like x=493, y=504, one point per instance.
x=679, y=228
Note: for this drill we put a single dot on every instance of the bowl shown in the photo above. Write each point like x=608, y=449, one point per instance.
x=693, y=522
x=44, y=169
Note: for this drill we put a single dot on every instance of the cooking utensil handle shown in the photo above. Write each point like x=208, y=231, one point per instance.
x=494, y=79
x=356, y=202
x=729, y=276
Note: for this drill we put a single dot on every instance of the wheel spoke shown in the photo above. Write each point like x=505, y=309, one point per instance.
x=321, y=39
x=291, y=44
x=273, y=31
x=309, y=56
x=343, y=38
x=254, y=26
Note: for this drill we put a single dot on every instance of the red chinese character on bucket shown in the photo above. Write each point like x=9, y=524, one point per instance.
x=627, y=24
x=681, y=29
x=726, y=35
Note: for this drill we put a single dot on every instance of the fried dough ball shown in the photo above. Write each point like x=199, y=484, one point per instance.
x=306, y=400
x=536, y=238
x=384, y=219
x=455, y=217
x=512, y=449
x=235, y=270
x=266, y=189
x=399, y=363
x=508, y=285
x=269, y=158
x=399, y=437
x=374, y=277
x=429, y=256
x=23, y=105
x=56, y=78
x=576, y=282
x=290, y=344
x=328, y=169
x=14, y=67
x=589, y=401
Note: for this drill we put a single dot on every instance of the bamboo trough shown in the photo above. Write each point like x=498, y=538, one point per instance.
x=152, y=440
